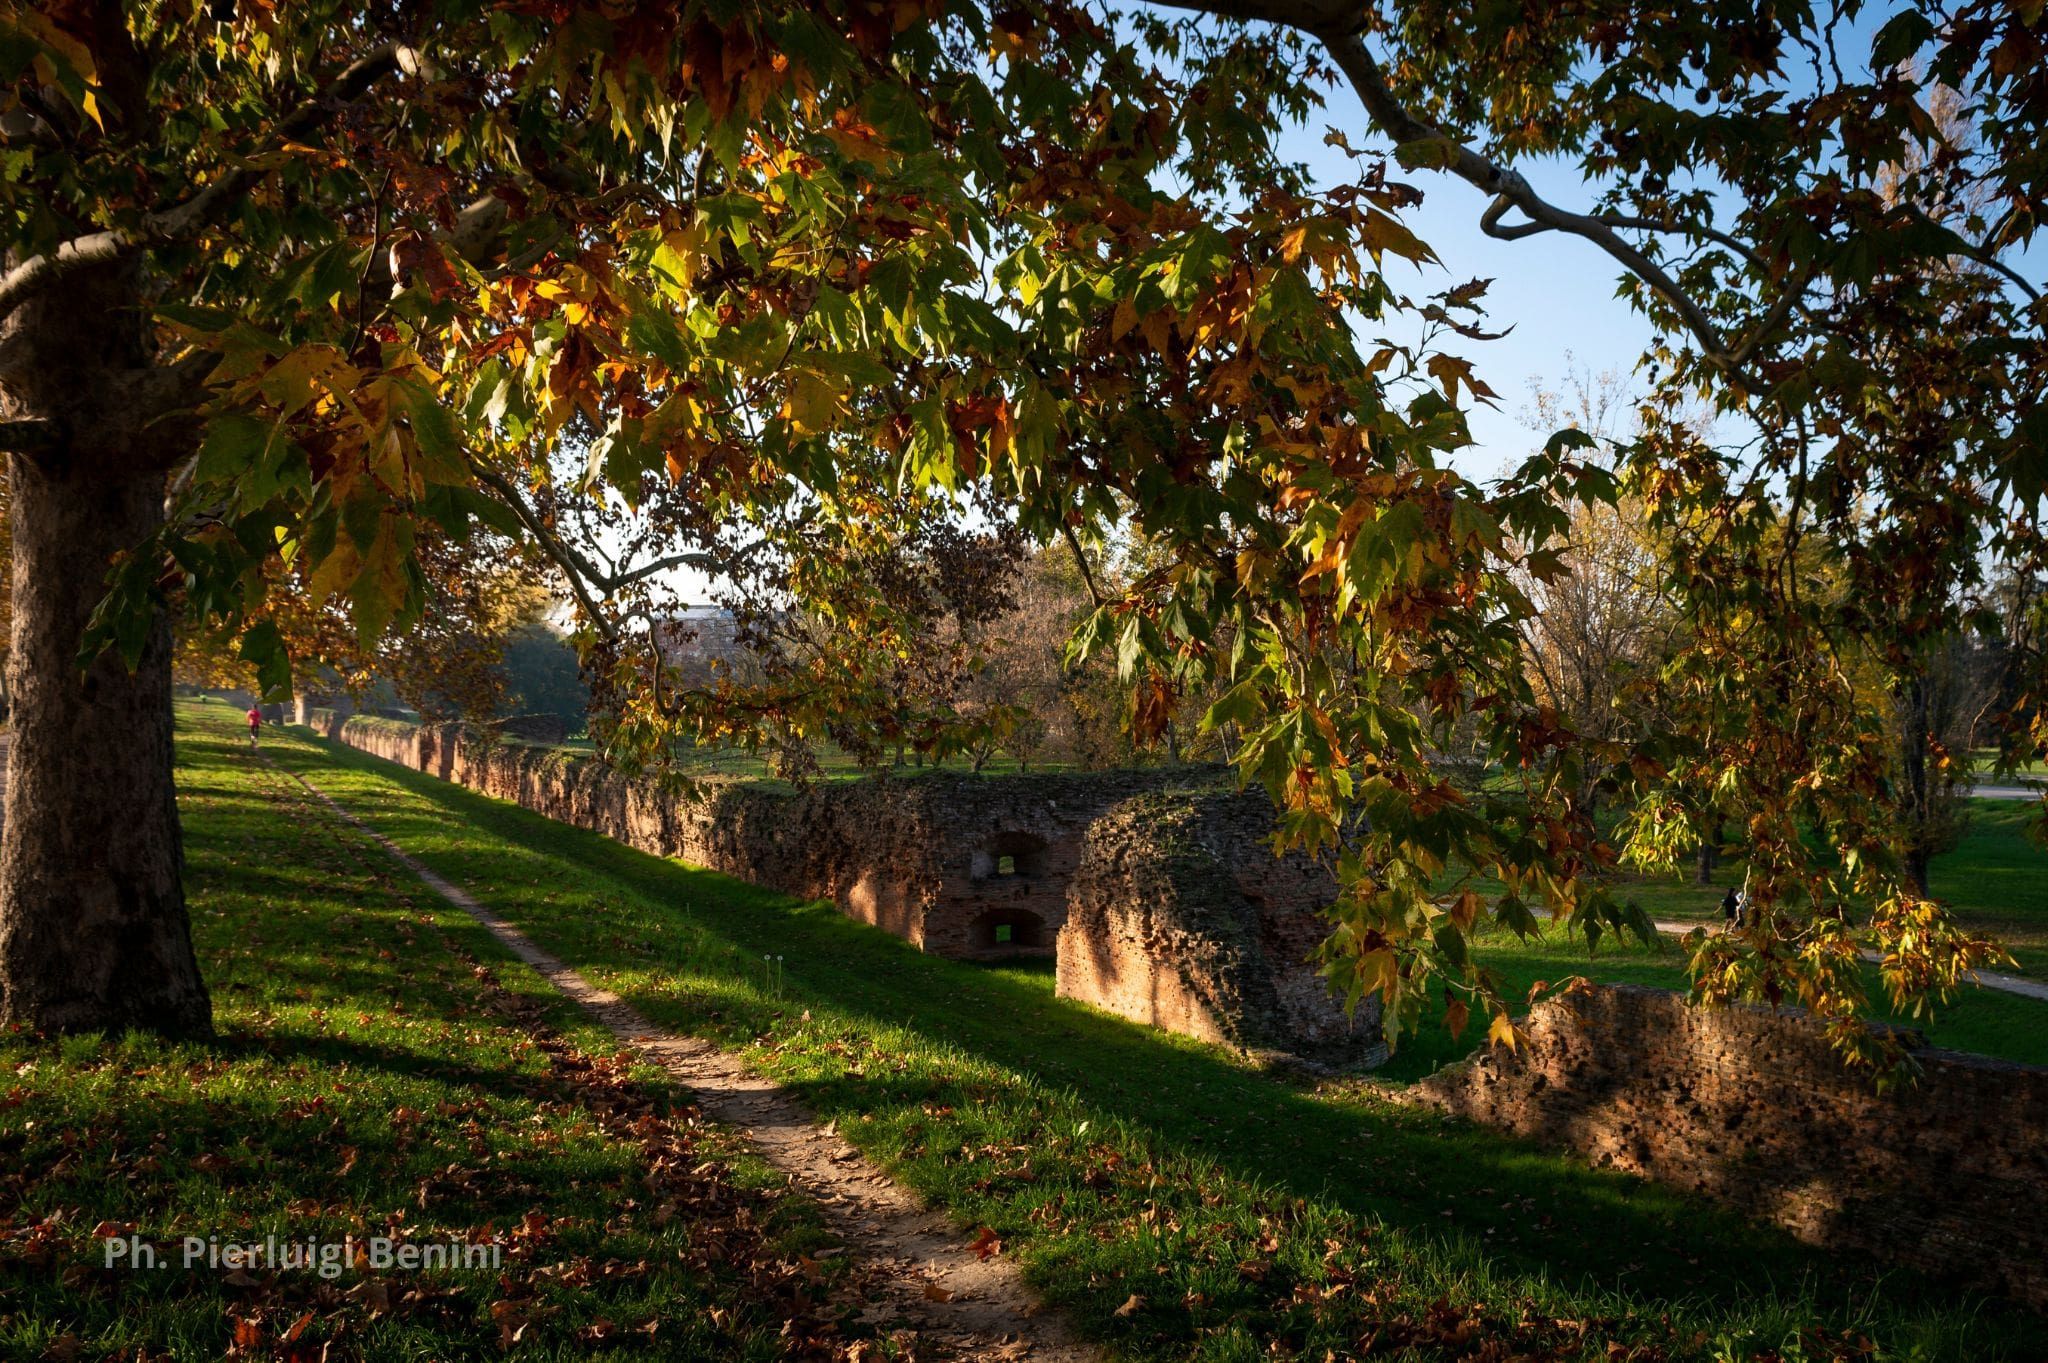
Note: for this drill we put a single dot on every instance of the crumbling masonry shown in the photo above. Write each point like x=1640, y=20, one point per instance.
x=1157, y=891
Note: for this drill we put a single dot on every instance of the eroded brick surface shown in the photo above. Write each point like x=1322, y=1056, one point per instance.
x=1156, y=890
x=1181, y=916
x=1753, y=1108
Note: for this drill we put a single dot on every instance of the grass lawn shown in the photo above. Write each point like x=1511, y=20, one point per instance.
x=383, y=1069
x=1996, y=880
x=1977, y=1019
x=1178, y=1203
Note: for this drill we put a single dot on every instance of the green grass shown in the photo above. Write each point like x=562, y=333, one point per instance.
x=381, y=1065
x=1984, y=760
x=1178, y=1203
x=1977, y=1019
x=1995, y=881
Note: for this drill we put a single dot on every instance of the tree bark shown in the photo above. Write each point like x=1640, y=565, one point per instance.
x=93, y=928
x=1709, y=857
x=1915, y=733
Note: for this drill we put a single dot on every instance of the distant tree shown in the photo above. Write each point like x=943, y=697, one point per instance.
x=1022, y=667
x=445, y=664
x=544, y=674
x=1936, y=704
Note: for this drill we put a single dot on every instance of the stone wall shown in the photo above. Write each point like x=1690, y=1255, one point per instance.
x=1753, y=1108
x=975, y=867
x=1181, y=916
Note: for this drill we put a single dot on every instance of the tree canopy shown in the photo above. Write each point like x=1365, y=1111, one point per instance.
x=775, y=288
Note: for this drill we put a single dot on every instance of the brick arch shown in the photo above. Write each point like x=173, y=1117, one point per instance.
x=1026, y=931
x=1008, y=854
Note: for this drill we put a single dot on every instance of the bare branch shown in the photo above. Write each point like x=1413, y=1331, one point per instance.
x=574, y=566
x=1512, y=191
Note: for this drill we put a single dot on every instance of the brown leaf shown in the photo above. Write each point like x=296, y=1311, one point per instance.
x=933, y=1292
x=1134, y=1304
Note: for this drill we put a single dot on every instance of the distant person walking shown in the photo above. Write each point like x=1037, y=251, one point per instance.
x=255, y=723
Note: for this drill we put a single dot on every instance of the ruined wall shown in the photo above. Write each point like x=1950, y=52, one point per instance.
x=971, y=867
x=1181, y=916
x=1753, y=1108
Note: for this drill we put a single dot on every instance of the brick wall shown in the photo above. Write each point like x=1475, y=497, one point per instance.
x=1753, y=1108
x=1182, y=917
x=977, y=867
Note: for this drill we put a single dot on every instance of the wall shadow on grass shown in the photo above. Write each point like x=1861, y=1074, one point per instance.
x=685, y=946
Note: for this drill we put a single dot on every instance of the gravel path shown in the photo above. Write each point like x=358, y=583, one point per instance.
x=962, y=1304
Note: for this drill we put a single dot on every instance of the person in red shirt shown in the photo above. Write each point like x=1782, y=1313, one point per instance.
x=255, y=721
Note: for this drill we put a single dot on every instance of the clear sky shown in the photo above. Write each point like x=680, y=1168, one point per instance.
x=1555, y=292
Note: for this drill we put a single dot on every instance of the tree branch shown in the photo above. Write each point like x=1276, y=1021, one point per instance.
x=573, y=565
x=39, y=272
x=1511, y=191
x=1339, y=25
x=31, y=436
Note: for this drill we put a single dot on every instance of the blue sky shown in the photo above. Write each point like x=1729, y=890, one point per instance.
x=1555, y=292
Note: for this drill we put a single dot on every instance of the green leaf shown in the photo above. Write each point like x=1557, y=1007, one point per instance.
x=264, y=647
x=1428, y=153
x=233, y=445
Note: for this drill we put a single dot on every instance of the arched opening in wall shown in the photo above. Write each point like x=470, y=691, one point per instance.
x=1008, y=930
x=1011, y=855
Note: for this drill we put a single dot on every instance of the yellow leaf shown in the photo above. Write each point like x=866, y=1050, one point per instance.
x=813, y=402
x=1501, y=1032
x=335, y=572
x=1123, y=319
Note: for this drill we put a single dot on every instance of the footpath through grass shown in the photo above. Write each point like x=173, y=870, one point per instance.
x=1179, y=1204
x=384, y=1071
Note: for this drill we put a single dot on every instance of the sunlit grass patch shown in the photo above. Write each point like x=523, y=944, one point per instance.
x=383, y=1072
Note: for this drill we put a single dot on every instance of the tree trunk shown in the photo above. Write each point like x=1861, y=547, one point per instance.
x=1916, y=864
x=1917, y=808
x=1709, y=857
x=93, y=930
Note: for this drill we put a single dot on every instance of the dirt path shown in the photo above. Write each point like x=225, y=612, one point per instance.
x=1988, y=979
x=961, y=1304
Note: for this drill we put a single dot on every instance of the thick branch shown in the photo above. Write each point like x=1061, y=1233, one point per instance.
x=573, y=565
x=176, y=224
x=31, y=436
x=1510, y=190
x=1339, y=25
